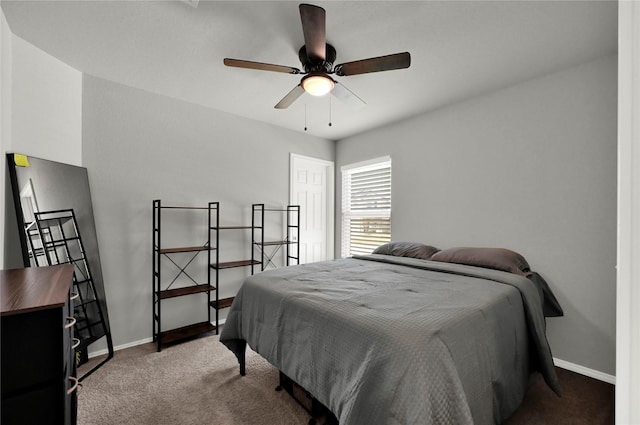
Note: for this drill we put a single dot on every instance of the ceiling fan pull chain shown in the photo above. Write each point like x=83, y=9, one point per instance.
x=305, y=117
x=329, y=111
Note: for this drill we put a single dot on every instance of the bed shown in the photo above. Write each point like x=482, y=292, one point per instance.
x=400, y=338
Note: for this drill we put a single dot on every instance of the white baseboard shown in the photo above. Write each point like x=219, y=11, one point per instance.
x=97, y=353
x=120, y=347
x=591, y=373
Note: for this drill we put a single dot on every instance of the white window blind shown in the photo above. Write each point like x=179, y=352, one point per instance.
x=366, y=206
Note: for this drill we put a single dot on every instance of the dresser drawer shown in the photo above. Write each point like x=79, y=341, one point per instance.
x=71, y=400
x=38, y=407
x=28, y=360
x=70, y=342
x=36, y=342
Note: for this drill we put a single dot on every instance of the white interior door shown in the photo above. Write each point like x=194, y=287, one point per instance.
x=312, y=189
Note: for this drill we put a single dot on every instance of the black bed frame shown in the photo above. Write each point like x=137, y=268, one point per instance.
x=320, y=414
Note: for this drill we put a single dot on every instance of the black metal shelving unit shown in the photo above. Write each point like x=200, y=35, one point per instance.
x=269, y=246
x=216, y=265
x=54, y=238
x=163, y=288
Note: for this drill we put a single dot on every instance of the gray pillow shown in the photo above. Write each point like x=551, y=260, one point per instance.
x=407, y=249
x=492, y=258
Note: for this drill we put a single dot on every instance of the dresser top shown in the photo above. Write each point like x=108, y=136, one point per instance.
x=34, y=288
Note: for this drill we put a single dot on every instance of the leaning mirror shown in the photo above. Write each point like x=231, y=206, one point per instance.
x=55, y=219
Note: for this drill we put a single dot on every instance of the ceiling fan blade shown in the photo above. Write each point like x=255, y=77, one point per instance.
x=381, y=63
x=314, y=29
x=347, y=96
x=291, y=97
x=260, y=66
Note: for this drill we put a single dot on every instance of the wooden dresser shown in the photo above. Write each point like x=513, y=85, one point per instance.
x=38, y=372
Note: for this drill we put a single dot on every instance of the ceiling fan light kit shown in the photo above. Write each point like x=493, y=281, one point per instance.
x=317, y=58
x=317, y=84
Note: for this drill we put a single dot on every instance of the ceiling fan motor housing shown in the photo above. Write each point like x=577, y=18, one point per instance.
x=324, y=66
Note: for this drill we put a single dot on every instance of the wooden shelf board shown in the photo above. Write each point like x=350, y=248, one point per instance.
x=222, y=303
x=183, y=208
x=232, y=264
x=260, y=207
x=187, y=290
x=185, y=332
x=183, y=249
x=274, y=243
x=231, y=227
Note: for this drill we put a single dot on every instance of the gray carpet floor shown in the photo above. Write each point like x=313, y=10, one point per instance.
x=196, y=382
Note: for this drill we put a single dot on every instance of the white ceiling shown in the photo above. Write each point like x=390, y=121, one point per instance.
x=458, y=50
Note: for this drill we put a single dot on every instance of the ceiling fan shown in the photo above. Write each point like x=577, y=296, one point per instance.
x=317, y=58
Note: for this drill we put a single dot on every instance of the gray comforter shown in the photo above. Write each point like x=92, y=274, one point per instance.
x=388, y=340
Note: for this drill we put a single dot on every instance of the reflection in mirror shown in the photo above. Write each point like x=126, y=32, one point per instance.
x=28, y=201
x=55, y=218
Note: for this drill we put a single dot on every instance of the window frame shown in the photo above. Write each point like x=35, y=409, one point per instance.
x=348, y=214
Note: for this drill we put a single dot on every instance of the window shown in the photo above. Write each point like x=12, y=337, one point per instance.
x=366, y=206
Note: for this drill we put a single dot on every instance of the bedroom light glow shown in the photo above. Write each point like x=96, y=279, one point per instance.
x=317, y=85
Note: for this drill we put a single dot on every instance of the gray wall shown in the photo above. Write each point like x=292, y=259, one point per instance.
x=140, y=146
x=532, y=168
